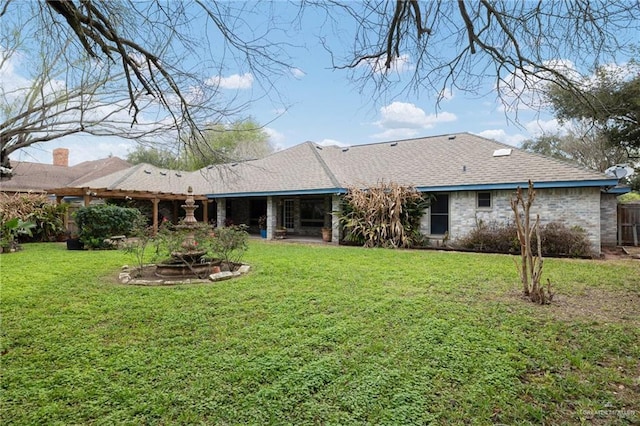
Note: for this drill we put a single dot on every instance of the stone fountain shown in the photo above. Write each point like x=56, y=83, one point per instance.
x=188, y=262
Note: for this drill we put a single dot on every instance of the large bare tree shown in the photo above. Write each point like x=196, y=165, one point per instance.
x=433, y=46
x=138, y=70
x=516, y=45
x=58, y=103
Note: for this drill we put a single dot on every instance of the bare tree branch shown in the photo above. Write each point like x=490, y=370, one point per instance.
x=465, y=43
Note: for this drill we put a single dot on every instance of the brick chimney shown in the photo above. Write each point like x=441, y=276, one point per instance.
x=61, y=157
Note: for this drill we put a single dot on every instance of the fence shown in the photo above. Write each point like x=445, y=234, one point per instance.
x=628, y=224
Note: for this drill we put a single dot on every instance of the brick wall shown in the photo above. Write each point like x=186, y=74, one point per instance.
x=570, y=206
x=608, y=219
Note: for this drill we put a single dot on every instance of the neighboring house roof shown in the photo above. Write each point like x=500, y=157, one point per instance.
x=40, y=177
x=90, y=170
x=439, y=163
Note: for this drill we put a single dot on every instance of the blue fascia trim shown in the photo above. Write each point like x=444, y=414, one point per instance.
x=279, y=193
x=444, y=188
x=515, y=185
x=619, y=190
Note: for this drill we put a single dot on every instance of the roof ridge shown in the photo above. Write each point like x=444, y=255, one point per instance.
x=129, y=172
x=401, y=140
x=324, y=165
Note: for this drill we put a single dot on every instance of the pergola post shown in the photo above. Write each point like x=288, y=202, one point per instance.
x=222, y=212
x=155, y=202
x=205, y=211
x=174, y=204
x=65, y=219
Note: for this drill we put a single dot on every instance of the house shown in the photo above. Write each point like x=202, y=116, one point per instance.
x=472, y=179
x=28, y=177
x=42, y=178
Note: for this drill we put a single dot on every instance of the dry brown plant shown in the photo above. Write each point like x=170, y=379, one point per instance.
x=530, y=266
x=386, y=215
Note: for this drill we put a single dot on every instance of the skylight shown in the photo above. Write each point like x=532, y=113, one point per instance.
x=504, y=152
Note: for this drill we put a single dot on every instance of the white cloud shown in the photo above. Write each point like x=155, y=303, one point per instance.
x=391, y=134
x=539, y=127
x=234, y=81
x=276, y=138
x=402, y=115
x=10, y=80
x=501, y=136
x=522, y=92
x=447, y=94
x=332, y=142
x=297, y=73
x=616, y=72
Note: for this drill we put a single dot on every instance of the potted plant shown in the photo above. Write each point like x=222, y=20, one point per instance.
x=281, y=232
x=262, y=224
x=73, y=242
x=326, y=234
x=10, y=230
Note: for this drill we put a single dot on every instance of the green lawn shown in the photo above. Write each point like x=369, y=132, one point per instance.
x=319, y=335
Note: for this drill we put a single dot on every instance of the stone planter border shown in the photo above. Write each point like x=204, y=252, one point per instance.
x=125, y=277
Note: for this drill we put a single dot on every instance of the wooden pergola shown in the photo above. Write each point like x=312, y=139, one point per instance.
x=87, y=194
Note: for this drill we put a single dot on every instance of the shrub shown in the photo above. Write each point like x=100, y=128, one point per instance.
x=229, y=243
x=629, y=197
x=10, y=230
x=49, y=221
x=98, y=223
x=137, y=246
x=557, y=239
x=492, y=238
x=47, y=217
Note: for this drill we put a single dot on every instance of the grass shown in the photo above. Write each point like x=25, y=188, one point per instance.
x=318, y=335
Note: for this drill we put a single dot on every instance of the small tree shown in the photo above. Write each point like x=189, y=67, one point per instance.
x=530, y=267
x=229, y=244
x=225, y=245
x=137, y=245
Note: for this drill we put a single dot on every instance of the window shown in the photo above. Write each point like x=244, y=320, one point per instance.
x=440, y=214
x=287, y=214
x=312, y=212
x=484, y=200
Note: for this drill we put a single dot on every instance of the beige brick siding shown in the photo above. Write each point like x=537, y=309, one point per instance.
x=570, y=206
x=608, y=219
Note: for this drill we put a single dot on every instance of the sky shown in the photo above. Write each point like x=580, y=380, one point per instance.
x=318, y=103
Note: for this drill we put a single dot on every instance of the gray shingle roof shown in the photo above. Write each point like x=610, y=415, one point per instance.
x=141, y=177
x=448, y=161
x=299, y=168
x=29, y=176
